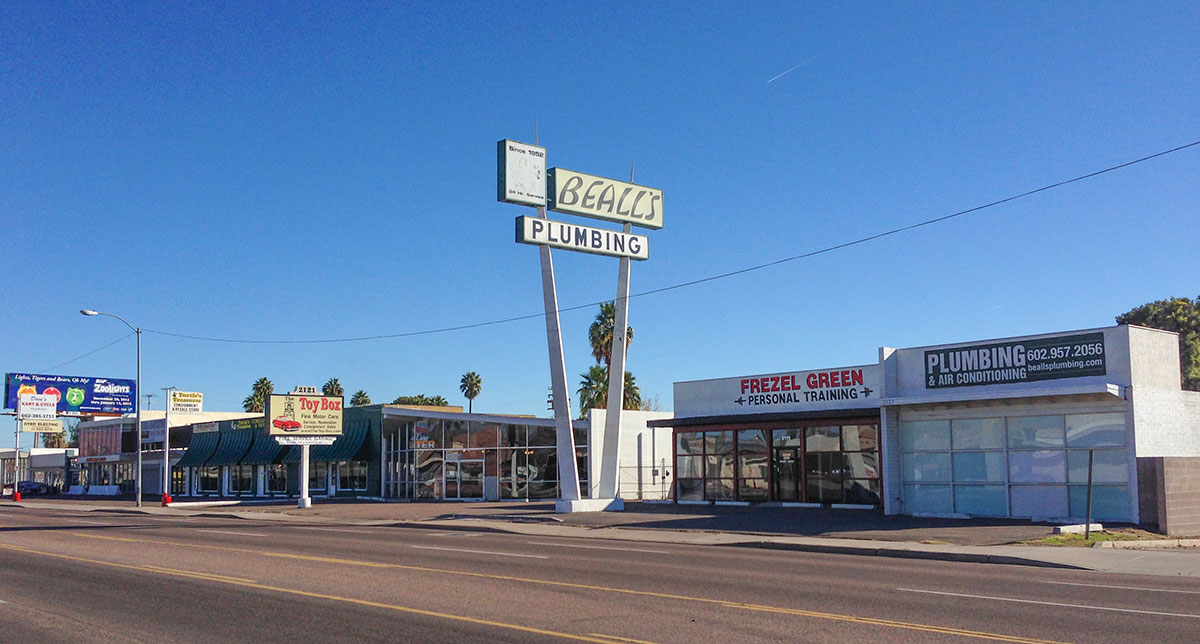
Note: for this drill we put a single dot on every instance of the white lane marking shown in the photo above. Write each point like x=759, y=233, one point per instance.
x=86, y=521
x=1154, y=590
x=481, y=552
x=166, y=518
x=1065, y=605
x=3, y=602
x=576, y=545
x=240, y=534
x=301, y=527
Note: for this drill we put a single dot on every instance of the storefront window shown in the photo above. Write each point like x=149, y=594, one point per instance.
x=276, y=476
x=241, y=479
x=352, y=475
x=318, y=478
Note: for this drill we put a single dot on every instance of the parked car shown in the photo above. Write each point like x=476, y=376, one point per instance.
x=33, y=488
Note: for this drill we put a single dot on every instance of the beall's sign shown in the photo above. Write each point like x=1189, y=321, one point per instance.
x=797, y=391
x=598, y=241
x=576, y=193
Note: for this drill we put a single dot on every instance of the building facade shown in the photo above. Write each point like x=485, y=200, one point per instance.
x=1012, y=427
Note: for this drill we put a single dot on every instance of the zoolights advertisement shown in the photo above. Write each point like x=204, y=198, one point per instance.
x=75, y=394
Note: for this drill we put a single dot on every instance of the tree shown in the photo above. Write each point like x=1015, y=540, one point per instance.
x=260, y=392
x=332, y=388
x=600, y=334
x=72, y=427
x=470, y=386
x=360, y=399
x=1181, y=315
x=422, y=399
x=54, y=440
x=593, y=390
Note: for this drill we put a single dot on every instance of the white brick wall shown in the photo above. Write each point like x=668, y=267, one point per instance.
x=1166, y=422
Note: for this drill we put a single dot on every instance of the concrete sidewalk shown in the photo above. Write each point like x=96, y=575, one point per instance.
x=532, y=521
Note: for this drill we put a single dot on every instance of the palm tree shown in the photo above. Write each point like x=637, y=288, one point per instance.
x=332, y=388
x=633, y=395
x=470, y=386
x=54, y=440
x=360, y=399
x=593, y=391
x=600, y=334
x=260, y=392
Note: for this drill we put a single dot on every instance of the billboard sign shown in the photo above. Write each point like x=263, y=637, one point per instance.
x=842, y=388
x=576, y=193
x=999, y=363
x=37, y=407
x=303, y=415
x=74, y=394
x=598, y=241
x=204, y=428
x=186, y=402
x=521, y=173
x=42, y=426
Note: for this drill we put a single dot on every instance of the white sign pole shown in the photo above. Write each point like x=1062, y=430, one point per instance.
x=304, y=500
x=17, y=462
x=166, y=476
x=568, y=474
x=609, y=470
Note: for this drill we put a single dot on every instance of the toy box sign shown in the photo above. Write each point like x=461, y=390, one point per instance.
x=820, y=390
x=75, y=394
x=303, y=415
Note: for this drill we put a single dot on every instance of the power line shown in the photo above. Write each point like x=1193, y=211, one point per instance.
x=88, y=353
x=711, y=278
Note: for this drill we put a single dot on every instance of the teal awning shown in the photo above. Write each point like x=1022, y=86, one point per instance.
x=264, y=451
x=350, y=446
x=200, y=449
x=233, y=447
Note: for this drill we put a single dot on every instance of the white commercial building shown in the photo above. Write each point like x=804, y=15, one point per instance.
x=994, y=428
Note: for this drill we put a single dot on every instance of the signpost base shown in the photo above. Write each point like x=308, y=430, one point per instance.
x=304, y=502
x=16, y=495
x=166, y=500
x=567, y=506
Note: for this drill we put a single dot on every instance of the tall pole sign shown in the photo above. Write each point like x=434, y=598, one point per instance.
x=520, y=169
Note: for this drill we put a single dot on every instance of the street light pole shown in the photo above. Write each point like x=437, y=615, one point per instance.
x=137, y=474
x=166, y=477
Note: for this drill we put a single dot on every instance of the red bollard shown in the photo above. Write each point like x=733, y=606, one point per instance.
x=166, y=500
x=16, y=496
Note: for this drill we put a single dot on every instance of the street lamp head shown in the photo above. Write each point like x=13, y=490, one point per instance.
x=89, y=312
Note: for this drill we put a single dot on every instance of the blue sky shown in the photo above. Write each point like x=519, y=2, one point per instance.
x=275, y=171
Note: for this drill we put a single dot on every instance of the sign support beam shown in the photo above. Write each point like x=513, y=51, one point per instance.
x=609, y=470
x=568, y=473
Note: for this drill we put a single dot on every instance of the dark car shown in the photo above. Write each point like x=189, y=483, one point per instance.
x=33, y=488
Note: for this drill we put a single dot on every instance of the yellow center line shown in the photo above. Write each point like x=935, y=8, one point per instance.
x=565, y=584
x=303, y=593
x=620, y=639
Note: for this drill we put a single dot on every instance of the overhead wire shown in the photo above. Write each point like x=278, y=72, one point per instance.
x=711, y=278
x=81, y=357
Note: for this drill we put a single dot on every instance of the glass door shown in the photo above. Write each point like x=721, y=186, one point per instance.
x=451, y=480
x=787, y=473
x=470, y=480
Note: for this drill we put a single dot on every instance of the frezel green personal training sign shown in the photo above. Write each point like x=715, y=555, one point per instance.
x=576, y=193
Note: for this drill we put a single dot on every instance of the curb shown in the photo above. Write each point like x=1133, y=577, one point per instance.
x=901, y=553
x=839, y=549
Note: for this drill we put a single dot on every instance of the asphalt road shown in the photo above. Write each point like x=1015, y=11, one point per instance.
x=75, y=576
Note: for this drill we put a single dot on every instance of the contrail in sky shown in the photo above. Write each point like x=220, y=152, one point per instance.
x=803, y=63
